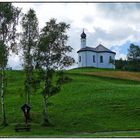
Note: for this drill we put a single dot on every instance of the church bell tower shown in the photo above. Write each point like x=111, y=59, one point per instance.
x=83, y=40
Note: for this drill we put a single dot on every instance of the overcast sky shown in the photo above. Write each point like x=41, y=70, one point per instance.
x=115, y=25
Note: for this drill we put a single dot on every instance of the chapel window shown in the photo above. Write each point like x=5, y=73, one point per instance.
x=110, y=58
x=93, y=58
x=101, y=59
x=79, y=58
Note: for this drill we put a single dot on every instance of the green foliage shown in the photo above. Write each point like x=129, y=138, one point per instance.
x=121, y=64
x=133, y=63
x=8, y=20
x=133, y=52
x=52, y=51
x=29, y=38
x=51, y=55
x=3, y=55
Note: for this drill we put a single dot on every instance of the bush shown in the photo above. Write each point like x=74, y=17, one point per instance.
x=133, y=65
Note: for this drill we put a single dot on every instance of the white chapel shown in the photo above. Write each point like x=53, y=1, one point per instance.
x=99, y=57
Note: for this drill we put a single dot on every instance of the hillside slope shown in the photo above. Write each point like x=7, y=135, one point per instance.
x=109, y=73
x=86, y=105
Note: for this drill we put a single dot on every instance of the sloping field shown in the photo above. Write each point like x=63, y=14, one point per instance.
x=117, y=74
x=87, y=106
x=110, y=73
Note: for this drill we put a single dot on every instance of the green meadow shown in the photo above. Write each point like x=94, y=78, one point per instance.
x=92, y=104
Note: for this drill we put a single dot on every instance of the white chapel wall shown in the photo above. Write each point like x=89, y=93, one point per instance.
x=106, y=57
x=87, y=59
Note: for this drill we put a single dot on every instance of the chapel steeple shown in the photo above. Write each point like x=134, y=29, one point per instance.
x=83, y=35
x=83, y=39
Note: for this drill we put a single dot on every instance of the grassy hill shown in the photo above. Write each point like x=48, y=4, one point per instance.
x=96, y=103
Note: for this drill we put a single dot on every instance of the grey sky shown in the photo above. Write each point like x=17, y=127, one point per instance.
x=112, y=24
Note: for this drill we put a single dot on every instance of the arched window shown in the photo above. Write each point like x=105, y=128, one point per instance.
x=101, y=59
x=79, y=58
x=93, y=58
x=110, y=58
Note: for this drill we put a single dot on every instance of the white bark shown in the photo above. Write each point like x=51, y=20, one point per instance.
x=2, y=98
x=28, y=86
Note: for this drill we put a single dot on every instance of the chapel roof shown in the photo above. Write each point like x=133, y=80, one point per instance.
x=100, y=48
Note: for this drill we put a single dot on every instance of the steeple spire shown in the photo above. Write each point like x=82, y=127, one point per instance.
x=83, y=39
x=83, y=35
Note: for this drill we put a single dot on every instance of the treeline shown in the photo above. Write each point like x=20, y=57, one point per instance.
x=133, y=59
x=44, y=53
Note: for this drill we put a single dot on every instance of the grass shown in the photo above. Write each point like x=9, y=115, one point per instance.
x=107, y=73
x=93, y=104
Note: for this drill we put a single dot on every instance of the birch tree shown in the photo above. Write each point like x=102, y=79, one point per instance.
x=51, y=56
x=8, y=20
x=29, y=40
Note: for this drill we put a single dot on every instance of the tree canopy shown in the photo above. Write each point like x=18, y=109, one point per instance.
x=29, y=40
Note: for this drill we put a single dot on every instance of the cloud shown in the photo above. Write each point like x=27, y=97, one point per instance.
x=120, y=12
x=112, y=24
x=88, y=19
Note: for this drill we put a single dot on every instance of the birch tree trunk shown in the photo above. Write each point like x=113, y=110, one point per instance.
x=46, y=119
x=45, y=110
x=28, y=69
x=2, y=98
x=28, y=85
x=45, y=87
x=28, y=88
